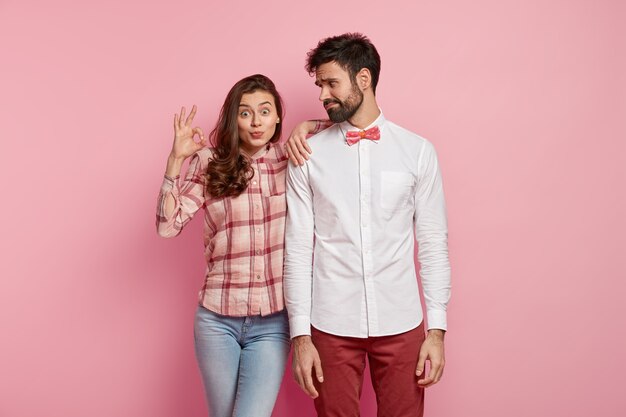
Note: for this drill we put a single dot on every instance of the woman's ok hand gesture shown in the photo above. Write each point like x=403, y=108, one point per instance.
x=184, y=144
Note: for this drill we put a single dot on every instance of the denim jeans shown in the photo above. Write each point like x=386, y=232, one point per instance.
x=242, y=361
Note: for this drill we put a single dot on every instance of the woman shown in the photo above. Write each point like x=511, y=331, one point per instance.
x=241, y=327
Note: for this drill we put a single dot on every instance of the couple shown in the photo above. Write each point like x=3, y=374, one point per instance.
x=346, y=243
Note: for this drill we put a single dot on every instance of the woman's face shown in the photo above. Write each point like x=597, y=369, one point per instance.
x=257, y=120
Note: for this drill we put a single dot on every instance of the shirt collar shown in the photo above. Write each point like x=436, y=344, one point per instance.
x=346, y=126
x=260, y=153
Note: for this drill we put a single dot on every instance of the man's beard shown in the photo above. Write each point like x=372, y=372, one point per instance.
x=345, y=109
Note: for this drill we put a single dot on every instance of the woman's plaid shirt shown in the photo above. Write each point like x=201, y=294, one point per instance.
x=243, y=236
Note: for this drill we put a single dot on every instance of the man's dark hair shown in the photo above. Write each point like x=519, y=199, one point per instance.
x=351, y=51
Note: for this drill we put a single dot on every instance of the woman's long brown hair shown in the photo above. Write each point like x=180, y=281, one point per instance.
x=229, y=171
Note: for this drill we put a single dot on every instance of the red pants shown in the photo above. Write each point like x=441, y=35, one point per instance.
x=392, y=361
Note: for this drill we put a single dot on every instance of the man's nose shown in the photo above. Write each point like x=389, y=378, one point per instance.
x=324, y=94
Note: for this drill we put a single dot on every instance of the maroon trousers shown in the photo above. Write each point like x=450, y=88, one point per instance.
x=392, y=361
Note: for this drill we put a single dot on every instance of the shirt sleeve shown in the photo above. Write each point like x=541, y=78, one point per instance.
x=321, y=125
x=299, y=250
x=187, y=197
x=431, y=232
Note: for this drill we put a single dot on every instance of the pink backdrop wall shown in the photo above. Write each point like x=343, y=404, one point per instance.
x=524, y=100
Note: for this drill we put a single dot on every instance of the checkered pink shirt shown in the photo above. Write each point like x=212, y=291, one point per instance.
x=243, y=236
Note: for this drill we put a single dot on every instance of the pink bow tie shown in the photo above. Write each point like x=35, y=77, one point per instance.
x=354, y=136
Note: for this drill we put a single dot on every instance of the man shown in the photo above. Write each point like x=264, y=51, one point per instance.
x=350, y=281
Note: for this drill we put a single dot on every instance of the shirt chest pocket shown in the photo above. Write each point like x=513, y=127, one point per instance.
x=273, y=181
x=396, y=190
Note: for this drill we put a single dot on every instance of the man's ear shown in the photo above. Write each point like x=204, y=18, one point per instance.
x=364, y=79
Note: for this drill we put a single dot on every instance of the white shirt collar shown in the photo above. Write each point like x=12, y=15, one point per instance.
x=346, y=126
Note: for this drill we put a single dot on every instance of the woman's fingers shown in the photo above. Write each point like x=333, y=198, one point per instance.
x=197, y=131
x=300, y=144
x=200, y=133
x=182, y=126
x=293, y=153
x=182, y=117
x=191, y=116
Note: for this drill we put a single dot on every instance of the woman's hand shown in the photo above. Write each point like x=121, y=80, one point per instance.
x=184, y=144
x=296, y=146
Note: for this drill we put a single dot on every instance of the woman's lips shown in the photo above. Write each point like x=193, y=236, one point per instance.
x=256, y=135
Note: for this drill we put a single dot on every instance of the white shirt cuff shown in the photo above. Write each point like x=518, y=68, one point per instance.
x=300, y=326
x=437, y=319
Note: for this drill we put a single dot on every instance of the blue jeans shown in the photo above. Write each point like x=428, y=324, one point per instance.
x=242, y=361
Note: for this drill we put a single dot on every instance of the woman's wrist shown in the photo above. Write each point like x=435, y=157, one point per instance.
x=176, y=158
x=174, y=165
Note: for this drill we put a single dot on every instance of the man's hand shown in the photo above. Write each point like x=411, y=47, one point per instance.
x=305, y=358
x=432, y=351
x=296, y=146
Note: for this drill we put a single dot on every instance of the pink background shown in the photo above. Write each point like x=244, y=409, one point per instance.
x=524, y=100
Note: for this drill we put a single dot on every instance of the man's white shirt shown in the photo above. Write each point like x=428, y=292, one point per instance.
x=352, y=214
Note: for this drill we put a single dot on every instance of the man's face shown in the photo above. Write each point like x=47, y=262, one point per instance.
x=340, y=96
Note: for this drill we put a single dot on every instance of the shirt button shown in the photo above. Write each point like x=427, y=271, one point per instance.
x=254, y=182
x=256, y=206
x=258, y=230
x=258, y=277
x=258, y=251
